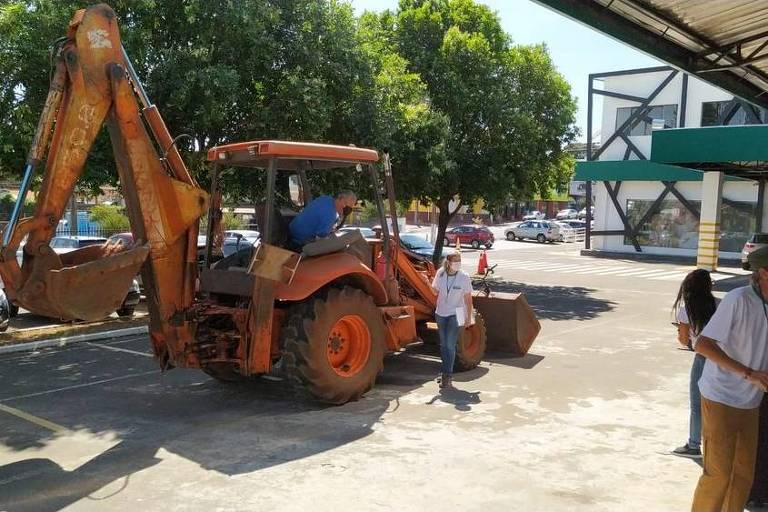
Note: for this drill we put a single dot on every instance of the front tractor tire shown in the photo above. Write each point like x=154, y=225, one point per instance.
x=471, y=346
x=333, y=345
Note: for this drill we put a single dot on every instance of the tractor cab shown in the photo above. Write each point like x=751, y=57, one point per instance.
x=286, y=171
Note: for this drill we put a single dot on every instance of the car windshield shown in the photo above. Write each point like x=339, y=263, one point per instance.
x=415, y=242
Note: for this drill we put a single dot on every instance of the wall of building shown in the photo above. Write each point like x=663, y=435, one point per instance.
x=643, y=85
x=607, y=218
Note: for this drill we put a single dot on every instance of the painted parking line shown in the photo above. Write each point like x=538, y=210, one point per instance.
x=40, y=422
x=78, y=386
x=119, y=349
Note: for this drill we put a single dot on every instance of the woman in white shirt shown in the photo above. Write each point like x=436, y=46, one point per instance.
x=454, y=292
x=693, y=307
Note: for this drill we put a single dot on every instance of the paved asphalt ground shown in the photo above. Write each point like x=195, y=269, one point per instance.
x=584, y=422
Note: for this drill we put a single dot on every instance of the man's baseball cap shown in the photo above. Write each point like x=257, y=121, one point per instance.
x=758, y=258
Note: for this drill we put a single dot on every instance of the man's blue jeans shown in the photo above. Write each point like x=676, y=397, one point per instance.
x=448, y=329
x=694, y=424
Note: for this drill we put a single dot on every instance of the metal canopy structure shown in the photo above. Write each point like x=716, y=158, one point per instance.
x=735, y=150
x=722, y=42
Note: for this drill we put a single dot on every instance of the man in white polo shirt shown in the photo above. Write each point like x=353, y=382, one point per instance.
x=735, y=343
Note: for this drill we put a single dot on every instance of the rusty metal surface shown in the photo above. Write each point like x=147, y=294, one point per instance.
x=163, y=209
x=230, y=282
x=401, y=326
x=314, y=273
x=274, y=263
x=94, y=289
x=511, y=324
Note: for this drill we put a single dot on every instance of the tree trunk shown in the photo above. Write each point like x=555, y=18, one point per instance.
x=443, y=218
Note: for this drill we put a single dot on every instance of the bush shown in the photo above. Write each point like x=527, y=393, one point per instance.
x=110, y=217
x=232, y=221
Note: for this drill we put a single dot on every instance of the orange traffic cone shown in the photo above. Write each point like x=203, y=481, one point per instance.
x=482, y=263
x=458, y=244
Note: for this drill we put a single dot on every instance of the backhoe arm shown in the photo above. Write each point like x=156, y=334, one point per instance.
x=91, y=88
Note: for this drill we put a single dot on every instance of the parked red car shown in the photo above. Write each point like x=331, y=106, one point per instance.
x=475, y=236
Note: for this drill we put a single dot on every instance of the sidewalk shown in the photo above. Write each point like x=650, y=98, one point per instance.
x=27, y=327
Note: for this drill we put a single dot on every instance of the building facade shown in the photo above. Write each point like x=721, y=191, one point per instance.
x=641, y=206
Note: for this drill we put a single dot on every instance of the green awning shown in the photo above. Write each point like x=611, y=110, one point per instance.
x=633, y=170
x=713, y=144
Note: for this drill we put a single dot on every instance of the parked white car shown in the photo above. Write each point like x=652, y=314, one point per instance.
x=248, y=234
x=534, y=215
x=568, y=213
x=567, y=233
x=540, y=230
x=583, y=213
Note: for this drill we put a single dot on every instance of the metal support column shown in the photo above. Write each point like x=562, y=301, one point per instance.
x=709, y=222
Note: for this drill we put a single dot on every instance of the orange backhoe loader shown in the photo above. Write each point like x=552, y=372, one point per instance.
x=325, y=321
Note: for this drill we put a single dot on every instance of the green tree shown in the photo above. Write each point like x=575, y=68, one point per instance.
x=499, y=114
x=110, y=217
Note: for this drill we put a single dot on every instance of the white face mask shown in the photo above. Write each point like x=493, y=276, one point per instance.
x=455, y=266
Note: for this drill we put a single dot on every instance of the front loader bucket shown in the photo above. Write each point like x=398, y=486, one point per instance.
x=511, y=324
x=88, y=290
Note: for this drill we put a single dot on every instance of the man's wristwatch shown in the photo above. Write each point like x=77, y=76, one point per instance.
x=748, y=373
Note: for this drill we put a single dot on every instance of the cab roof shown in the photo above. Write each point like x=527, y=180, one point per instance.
x=290, y=155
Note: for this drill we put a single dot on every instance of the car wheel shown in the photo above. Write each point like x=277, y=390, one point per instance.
x=745, y=265
x=510, y=236
x=446, y=242
x=541, y=238
x=488, y=246
x=126, y=311
x=475, y=244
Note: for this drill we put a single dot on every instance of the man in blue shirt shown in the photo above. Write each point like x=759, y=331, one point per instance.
x=320, y=216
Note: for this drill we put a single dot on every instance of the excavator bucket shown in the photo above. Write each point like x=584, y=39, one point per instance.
x=87, y=285
x=511, y=324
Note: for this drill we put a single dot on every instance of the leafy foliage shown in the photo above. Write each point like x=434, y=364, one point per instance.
x=232, y=221
x=464, y=112
x=110, y=217
x=499, y=114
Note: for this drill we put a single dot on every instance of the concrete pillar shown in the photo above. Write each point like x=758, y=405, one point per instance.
x=709, y=223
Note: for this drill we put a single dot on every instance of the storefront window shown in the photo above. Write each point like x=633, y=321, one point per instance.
x=672, y=226
x=736, y=224
x=713, y=113
x=675, y=227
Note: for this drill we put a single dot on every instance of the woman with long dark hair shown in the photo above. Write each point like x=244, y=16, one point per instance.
x=693, y=308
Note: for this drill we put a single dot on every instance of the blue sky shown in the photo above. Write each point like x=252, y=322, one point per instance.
x=576, y=50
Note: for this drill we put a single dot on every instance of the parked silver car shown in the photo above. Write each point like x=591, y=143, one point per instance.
x=568, y=213
x=540, y=230
x=534, y=215
x=756, y=241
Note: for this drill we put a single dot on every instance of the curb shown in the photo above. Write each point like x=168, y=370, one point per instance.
x=60, y=342
x=656, y=258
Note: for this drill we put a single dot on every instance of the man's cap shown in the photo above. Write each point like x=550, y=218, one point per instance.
x=758, y=258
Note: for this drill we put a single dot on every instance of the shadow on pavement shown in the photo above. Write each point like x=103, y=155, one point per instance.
x=526, y=362
x=228, y=428
x=558, y=302
x=730, y=283
x=460, y=399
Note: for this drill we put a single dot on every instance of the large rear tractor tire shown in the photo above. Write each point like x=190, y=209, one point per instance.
x=471, y=346
x=334, y=345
